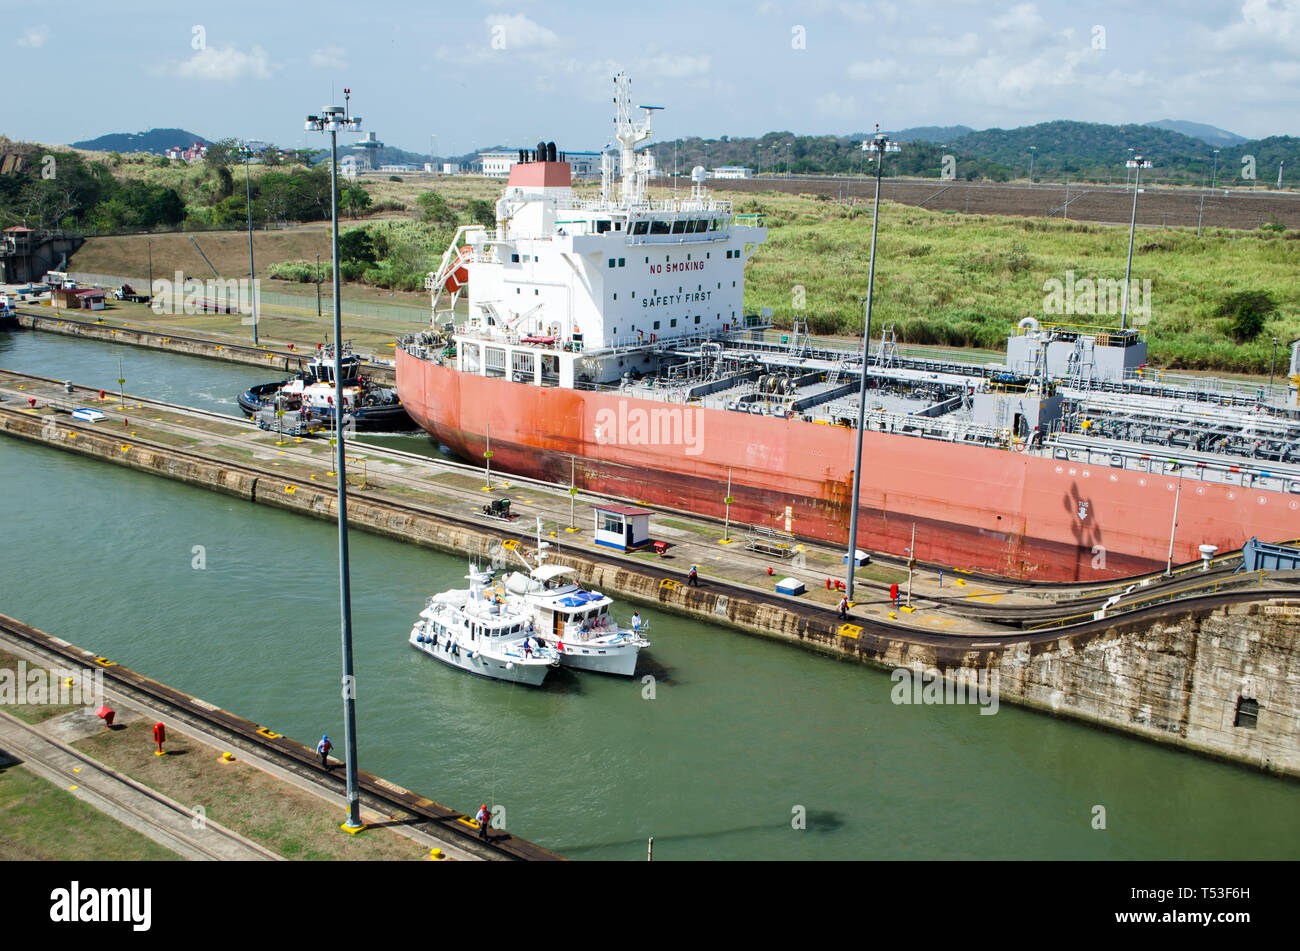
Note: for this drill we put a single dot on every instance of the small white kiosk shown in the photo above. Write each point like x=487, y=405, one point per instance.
x=622, y=527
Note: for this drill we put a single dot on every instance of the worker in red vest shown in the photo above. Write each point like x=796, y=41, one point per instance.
x=844, y=608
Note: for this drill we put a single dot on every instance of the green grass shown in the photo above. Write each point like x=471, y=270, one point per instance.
x=287, y=820
x=43, y=822
x=967, y=280
x=34, y=712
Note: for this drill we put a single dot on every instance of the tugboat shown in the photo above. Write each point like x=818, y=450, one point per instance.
x=311, y=392
x=574, y=620
x=479, y=630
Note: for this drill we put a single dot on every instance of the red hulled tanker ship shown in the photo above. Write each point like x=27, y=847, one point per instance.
x=606, y=341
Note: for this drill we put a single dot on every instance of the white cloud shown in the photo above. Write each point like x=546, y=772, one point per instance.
x=224, y=64
x=965, y=45
x=873, y=70
x=835, y=106
x=860, y=12
x=520, y=32
x=671, y=66
x=331, y=57
x=1262, y=23
x=1021, y=25
x=34, y=37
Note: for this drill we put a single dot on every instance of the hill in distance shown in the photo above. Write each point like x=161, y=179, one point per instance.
x=155, y=141
x=938, y=134
x=1197, y=130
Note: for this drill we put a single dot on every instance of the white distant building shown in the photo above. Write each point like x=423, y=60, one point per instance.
x=732, y=171
x=581, y=164
x=498, y=163
x=365, y=151
x=398, y=167
x=451, y=168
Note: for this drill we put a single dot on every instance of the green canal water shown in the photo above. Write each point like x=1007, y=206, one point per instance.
x=740, y=732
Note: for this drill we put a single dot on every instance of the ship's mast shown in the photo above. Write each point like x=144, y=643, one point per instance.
x=635, y=168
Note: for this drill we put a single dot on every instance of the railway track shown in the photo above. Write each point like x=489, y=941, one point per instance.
x=169, y=823
x=377, y=794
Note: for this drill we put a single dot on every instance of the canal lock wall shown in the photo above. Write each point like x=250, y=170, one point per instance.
x=1218, y=679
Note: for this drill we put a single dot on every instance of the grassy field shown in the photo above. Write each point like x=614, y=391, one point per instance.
x=284, y=818
x=942, y=278
x=39, y=821
x=959, y=280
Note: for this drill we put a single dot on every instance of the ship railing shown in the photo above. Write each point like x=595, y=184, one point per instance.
x=650, y=205
x=910, y=424
x=1175, y=464
x=1201, y=589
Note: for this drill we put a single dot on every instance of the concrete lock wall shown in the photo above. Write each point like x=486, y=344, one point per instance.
x=153, y=340
x=1175, y=679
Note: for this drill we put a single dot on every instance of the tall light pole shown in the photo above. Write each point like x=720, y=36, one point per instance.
x=1214, y=176
x=1136, y=162
x=318, y=285
x=878, y=148
x=1272, y=367
x=248, y=204
x=1032, y=150
x=334, y=119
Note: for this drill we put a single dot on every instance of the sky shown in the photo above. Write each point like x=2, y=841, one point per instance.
x=455, y=77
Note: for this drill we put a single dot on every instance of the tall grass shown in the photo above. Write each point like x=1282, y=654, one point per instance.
x=967, y=280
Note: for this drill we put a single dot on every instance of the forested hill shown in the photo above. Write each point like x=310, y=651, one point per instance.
x=1083, y=150
x=155, y=141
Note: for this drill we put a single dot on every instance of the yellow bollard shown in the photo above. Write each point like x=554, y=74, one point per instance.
x=436, y=855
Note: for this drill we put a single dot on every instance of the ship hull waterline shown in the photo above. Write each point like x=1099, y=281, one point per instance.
x=1006, y=513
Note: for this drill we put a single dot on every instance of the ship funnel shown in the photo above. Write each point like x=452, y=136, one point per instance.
x=550, y=151
x=540, y=154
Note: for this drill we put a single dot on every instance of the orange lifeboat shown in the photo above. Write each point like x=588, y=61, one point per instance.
x=458, y=276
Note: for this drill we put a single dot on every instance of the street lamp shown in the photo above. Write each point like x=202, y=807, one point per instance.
x=877, y=149
x=1032, y=149
x=1136, y=162
x=1215, y=174
x=1127, y=173
x=248, y=205
x=318, y=285
x=334, y=119
x=1273, y=366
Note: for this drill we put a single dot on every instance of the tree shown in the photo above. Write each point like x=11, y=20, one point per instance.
x=482, y=212
x=225, y=184
x=434, y=209
x=1246, y=313
x=355, y=198
x=223, y=153
x=355, y=245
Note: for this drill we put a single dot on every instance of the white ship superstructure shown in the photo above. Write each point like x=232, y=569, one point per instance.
x=564, y=288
